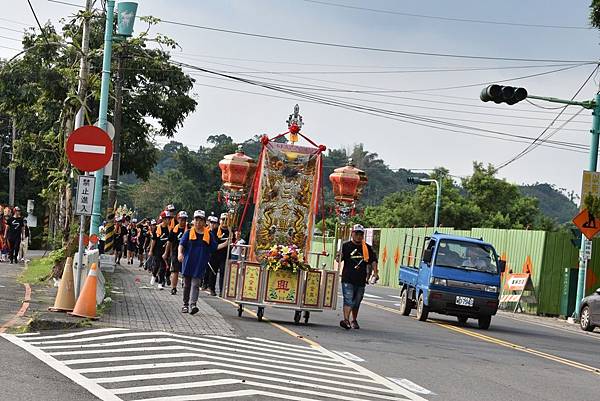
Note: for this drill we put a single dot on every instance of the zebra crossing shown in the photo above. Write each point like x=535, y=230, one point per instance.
x=117, y=364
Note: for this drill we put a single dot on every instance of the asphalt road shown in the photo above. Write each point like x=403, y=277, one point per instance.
x=512, y=360
x=437, y=360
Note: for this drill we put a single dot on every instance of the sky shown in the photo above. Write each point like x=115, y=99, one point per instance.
x=397, y=82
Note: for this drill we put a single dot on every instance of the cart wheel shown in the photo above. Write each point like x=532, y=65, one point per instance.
x=306, y=317
x=259, y=313
x=297, y=316
x=240, y=310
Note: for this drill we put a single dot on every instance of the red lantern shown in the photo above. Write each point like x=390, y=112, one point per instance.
x=347, y=182
x=237, y=170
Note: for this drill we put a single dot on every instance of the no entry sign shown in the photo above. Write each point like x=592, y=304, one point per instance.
x=89, y=148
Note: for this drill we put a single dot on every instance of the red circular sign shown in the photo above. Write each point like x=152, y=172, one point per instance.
x=89, y=148
x=94, y=239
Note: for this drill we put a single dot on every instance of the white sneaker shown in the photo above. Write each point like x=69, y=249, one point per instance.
x=161, y=287
x=152, y=280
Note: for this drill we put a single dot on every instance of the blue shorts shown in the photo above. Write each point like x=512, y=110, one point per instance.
x=353, y=295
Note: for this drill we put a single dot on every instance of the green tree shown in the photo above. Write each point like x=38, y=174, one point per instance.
x=38, y=92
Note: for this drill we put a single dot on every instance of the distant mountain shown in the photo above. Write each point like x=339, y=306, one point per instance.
x=554, y=203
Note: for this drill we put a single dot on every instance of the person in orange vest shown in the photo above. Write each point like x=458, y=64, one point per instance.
x=173, y=245
x=195, y=248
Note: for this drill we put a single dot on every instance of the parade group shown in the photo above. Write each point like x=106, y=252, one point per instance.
x=14, y=235
x=174, y=243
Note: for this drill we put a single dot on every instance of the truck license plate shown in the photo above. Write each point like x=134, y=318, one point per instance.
x=464, y=301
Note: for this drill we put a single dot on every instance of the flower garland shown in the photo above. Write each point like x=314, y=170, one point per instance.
x=282, y=257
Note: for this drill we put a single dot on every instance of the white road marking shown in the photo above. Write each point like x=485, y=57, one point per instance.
x=141, y=364
x=208, y=372
x=220, y=382
x=233, y=362
x=227, y=395
x=372, y=296
x=203, y=343
x=88, y=384
x=75, y=334
x=81, y=148
x=225, y=351
x=414, y=387
x=204, y=354
x=379, y=379
x=395, y=296
x=27, y=334
x=349, y=356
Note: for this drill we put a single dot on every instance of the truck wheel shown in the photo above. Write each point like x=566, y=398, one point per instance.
x=462, y=319
x=484, y=322
x=422, y=309
x=405, y=306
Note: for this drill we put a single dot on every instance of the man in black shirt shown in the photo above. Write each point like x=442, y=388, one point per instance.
x=160, y=238
x=173, y=246
x=13, y=233
x=357, y=258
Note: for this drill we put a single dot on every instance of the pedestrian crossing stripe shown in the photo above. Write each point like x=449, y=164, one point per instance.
x=114, y=363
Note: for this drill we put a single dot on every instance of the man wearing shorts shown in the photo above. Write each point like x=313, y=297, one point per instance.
x=357, y=257
x=173, y=246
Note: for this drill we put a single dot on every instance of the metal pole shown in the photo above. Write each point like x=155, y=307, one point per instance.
x=116, y=165
x=12, y=171
x=102, y=117
x=79, y=269
x=438, y=199
x=592, y=167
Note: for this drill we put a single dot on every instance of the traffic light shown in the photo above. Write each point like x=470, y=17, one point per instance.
x=503, y=94
x=416, y=181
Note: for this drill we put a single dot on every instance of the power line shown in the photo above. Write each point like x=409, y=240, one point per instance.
x=348, y=46
x=263, y=61
x=430, y=108
x=9, y=38
x=533, y=145
x=11, y=29
x=442, y=18
x=408, y=118
x=38, y=22
x=14, y=22
x=367, y=48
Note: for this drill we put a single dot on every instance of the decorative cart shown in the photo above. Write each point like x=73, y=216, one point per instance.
x=286, y=188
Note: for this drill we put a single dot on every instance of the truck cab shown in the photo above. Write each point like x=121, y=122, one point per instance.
x=456, y=276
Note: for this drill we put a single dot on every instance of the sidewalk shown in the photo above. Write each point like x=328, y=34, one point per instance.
x=552, y=322
x=12, y=294
x=136, y=305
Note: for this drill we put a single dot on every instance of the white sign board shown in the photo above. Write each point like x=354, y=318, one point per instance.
x=31, y=221
x=85, y=195
x=110, y=130
x=369, y=232
x=587, y=253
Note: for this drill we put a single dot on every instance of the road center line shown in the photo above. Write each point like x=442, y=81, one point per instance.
x=500, y=342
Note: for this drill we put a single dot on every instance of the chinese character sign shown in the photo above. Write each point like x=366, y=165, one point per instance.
x=282, y=287
x=85, y=195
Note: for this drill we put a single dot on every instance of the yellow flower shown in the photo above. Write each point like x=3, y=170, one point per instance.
x=286, y=249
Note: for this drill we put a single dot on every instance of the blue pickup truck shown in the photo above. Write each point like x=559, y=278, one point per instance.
x=456, y=276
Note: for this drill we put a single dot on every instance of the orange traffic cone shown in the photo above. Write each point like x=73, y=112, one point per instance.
x=65, y=297
x=86, y=303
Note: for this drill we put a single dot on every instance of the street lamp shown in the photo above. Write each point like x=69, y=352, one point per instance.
x=438, y=197
x=125, y=18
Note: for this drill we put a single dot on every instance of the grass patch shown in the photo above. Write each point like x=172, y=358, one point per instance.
x=37, y=271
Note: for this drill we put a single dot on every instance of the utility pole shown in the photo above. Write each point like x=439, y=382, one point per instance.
x=116, y=165
x=512, y=95
x=82, y=89
x=12, y=171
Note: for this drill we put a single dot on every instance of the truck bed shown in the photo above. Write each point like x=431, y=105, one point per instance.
x=408, y=275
